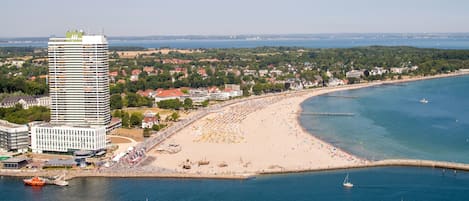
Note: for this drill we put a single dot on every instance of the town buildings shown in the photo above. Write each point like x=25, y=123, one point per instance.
x=25, y=101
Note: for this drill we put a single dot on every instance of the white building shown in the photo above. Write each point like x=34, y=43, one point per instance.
x=47, y=138
x=378, y=71
x=79, y=79
x=354, y=74
x=263, y=73
x=25, y=101
x=79, y=93
x=149, y=119
x=335, y=82
x=220, y=96
x=398, y=70
x=198, y=96
x=13, y=137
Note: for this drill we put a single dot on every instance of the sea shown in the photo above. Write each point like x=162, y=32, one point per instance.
x=376, y=184
x=390, y=122
x=340, y=42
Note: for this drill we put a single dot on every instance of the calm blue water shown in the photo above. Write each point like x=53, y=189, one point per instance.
x=382, y=184
x=390, y=121
x=440, y=43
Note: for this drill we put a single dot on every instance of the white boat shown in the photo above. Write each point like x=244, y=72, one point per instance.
x=423, y=100
x=347, y=182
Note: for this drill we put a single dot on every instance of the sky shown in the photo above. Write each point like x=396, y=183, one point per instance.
x=29, y=18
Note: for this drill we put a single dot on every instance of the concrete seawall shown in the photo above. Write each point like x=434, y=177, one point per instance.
x=70, y=174
x=383, y=163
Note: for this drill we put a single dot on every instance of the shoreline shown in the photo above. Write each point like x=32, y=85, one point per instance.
x=304, y=95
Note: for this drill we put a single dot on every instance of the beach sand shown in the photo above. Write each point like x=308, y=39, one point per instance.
x=252, y=137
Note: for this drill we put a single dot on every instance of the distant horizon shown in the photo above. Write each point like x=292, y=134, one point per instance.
x=249, y=34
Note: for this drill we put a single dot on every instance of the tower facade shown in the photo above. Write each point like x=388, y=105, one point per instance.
x=79, y=80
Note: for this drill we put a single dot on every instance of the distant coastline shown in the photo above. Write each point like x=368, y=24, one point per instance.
x=344, y=40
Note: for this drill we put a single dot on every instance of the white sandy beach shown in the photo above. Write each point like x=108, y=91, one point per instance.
x=255, y=136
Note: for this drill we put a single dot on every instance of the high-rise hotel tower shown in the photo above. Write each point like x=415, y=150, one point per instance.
x=79, y=93
x=79, y=79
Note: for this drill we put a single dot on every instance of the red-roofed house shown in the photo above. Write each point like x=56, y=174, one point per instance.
x=202, y=72
x=179, y=70
x=134, y=76
x=168, y=94
x=136, y=71
x=213, y=89
x=149, y=69
x=113, y=74
x=149, y=119
x=147, y=93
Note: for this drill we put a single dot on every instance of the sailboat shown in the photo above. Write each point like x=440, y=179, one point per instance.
x=347, y=182
x=424, y=101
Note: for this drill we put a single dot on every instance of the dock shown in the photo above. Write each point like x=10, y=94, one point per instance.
x=339, y=96
x=328, y=113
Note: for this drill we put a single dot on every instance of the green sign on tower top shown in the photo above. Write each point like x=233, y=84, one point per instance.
x=74, y=36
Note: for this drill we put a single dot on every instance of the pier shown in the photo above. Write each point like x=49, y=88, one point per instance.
x=339, y=96
x=328, y=114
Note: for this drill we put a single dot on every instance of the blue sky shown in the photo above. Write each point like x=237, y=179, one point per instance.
x=228, y=17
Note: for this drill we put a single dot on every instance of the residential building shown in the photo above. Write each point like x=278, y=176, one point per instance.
x=168, y=94
x=275, y=73
x=25, y=101
x=134, y=76
x=147, y=93
x=220, y=96
x=354, y=74
x=263, y=73
x=198, y=96
x=333, y=82
x=378, y=71
x=236, y=87
x=79, y=79
x=149, y=119
x=13, y=137
x=250, y=72
x=149, y=69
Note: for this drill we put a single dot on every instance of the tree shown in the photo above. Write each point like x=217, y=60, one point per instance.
x=116, y=102
x=205, y=103
x=187, y=103
x=170, y=104
x=117, y=113
x=257, y=89
x=125, y=120
x=173, y=117
x=136, y=119
x=146, y=132
x=132, y=99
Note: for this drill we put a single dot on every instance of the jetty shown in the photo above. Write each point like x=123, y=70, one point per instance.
x=383, y=163
x=328, y=113
x=339, y=96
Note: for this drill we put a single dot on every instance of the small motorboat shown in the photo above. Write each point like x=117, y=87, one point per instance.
x=35, y=181
x=424, y=101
